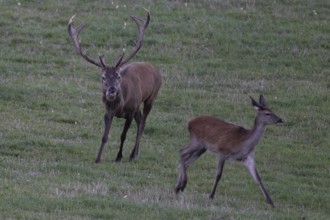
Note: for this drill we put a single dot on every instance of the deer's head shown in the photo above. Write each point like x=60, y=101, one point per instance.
x=111, y=78
x=264, y=114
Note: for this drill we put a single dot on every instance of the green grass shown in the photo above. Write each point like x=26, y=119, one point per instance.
x=213, y=54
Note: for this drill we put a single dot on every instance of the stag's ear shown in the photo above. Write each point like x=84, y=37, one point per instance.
x=262, y=101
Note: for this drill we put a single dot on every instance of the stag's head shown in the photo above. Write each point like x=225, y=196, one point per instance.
x=110, y=81
x=111, y=78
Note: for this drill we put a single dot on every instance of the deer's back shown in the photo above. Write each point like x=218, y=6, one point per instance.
x=217, y=135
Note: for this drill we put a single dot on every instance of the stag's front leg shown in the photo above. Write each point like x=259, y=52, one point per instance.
x=107, y=124
x=122, y=138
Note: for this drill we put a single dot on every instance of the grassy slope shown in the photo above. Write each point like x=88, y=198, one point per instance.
x=213, y=54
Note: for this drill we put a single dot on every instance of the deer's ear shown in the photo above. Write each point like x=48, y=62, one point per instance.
x=256, y=108
x=255, y=104
x=262, y=101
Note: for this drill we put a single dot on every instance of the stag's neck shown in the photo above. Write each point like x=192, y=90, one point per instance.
x=115, y=105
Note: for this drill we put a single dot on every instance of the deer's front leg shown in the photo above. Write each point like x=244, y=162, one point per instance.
x=107, y=124
x=221, y=163
x=249, y=163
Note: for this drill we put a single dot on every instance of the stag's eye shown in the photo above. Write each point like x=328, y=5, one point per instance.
x=103, y=78
x=267, y=114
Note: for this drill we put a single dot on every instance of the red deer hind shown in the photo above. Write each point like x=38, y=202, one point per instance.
x=229, y=141
x=125, y=87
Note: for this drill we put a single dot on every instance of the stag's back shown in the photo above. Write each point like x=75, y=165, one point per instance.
x=141, y=81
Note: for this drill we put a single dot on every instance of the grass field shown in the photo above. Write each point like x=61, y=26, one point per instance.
x=212, y=54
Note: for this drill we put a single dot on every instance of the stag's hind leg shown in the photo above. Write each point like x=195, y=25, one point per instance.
x=127, y=125
x=140, y=121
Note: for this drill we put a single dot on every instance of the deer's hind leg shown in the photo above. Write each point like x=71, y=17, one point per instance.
x=188, y=155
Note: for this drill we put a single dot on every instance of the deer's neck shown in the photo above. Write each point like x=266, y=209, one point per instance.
x=252, y=138
x=256, y=133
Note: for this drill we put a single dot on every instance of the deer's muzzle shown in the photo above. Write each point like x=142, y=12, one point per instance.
x=280, y=121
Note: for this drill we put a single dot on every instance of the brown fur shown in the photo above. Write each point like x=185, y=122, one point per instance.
x=139, y=83
x=229, y=141
x=125, y=88
x=215, y=132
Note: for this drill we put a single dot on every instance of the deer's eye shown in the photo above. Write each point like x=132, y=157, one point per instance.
x=267, y=114
x=103, y=78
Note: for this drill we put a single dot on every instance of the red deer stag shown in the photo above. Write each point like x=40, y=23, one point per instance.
x=229, y=141
x=124, y=87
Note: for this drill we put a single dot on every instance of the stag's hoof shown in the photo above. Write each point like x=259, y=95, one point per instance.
x=211, y=196
x=132, y=156
x=179, y=187
x=270, y=202
x=118, y=159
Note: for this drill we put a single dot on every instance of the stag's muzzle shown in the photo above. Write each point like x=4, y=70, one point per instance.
x=111, y=93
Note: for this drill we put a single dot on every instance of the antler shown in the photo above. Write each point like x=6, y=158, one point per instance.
x=139, y=40
x=74, y=33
